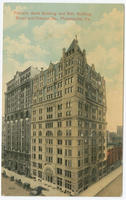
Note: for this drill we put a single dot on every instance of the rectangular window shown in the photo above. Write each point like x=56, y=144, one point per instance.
x=59, y=106
x=40, y=110
x=79, y=163
x=68, y=173
x=68, y=132
x=68, y=152
x=60, y=114
x=40, y=156
x=40, y=117
x=34, y=126
x=59, y=181
x=40, y=141
x=39, y=165
x=40, y=125
x=59, y=124
x=59, y=142
x=34, y=172
x=40, y=148
x=68, y=184
x=49, y=125
x=49, y=159
x=33, y=140
x=34, y=148
x=49, y=109
x=39, y=174
x=59, y=160
x=34, y=164
x=68, y=123
x=68, y=142
x=68, y=104
x=59, y=171
x=68, y=163
x=68, y=113
x=34, y=133
x=59, y=151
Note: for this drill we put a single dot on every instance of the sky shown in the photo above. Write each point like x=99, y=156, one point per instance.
x=37, y=42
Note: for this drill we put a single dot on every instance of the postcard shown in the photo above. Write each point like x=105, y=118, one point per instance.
x=62, y=99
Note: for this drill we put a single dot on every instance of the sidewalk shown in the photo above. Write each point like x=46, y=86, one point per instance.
x=98, y=186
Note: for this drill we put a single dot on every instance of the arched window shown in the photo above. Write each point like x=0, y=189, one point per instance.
x=49, y=133
x=40, y=133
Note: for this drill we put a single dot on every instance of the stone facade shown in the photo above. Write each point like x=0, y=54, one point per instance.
x=68, y=127
x=114, y=156
x=3, y=138
x=18, y=99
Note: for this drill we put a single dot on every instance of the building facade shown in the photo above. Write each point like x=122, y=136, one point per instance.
x=120, y=134
x=113, y=138
x=120, y=131
x=68, y=127
x=3, y=138
x=114, y=156
x=18, y=99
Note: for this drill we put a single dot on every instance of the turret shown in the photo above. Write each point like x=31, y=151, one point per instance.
x=64, y=50
x=84, y=55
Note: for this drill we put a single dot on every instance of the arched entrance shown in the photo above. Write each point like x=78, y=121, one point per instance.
x=48, y=174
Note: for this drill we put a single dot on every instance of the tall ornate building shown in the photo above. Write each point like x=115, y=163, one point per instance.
x=3, y=138
x=68, y=126
x=18, y=99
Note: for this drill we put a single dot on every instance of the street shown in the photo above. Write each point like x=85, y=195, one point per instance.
x=102, y=184
x=110, y=185
x=10, y=188
x=114, y=189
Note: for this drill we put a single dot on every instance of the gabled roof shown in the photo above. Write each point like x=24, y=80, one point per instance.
x=73, y=45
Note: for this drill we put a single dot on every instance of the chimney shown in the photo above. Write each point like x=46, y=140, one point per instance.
x=64, y=50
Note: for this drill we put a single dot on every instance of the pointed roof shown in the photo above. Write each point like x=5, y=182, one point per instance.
x=73, y=45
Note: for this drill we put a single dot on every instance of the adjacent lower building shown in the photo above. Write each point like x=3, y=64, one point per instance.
x=114, y=156
x=18, y=97
x=113, y=138
x=120, y=131
x=68, y=125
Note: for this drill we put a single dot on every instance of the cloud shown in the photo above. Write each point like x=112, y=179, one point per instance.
x=108, y=18
x=110, y=27
x=108, y=62
x=9, y=18
x=107, y=31
x=61, y=34
x=53, y=29
x=22, y=46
